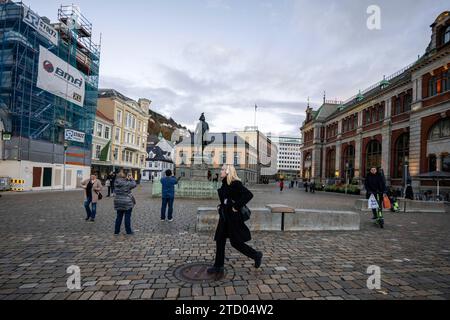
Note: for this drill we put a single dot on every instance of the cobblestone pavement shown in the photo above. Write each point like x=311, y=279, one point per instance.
x=41, y=234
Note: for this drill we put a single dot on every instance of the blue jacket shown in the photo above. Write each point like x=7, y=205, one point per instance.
x=168, y=187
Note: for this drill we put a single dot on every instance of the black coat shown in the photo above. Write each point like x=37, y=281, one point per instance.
x=231, y=224
x=374, y=184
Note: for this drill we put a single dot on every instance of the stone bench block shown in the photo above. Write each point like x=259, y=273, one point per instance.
x=321, y=220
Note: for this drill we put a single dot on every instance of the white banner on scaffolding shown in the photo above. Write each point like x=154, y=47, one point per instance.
x=60, y=78
x=34, y=21
x=77, y=136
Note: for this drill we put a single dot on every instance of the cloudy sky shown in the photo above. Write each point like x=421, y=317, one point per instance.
x=222, y=57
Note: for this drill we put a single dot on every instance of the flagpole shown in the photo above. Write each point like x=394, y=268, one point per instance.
x=256, y=109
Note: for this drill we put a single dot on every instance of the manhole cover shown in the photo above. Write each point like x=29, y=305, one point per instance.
x=196, y=273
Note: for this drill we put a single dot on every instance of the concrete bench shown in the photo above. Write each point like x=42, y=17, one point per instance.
x=410, y=206
x=283, y=218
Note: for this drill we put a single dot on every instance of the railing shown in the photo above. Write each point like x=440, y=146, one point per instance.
x=378, y=84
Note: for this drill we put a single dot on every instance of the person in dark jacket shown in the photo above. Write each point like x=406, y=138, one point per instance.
x=375, y=184
x=168, y=195
x=233, y=197
x=124, y=201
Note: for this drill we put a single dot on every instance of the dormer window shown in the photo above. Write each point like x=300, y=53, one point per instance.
x=447, y=35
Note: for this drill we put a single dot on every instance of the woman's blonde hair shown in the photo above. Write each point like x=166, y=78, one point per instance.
x=231, y=174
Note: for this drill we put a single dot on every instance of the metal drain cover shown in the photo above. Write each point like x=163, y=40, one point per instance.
x=196, y=273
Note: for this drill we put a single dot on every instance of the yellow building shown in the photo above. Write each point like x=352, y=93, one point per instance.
x=227, y=148
x=129, y=133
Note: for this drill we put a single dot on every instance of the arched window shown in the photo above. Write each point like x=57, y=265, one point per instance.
x=330, y=168
x=373, y=155
x=440, y=130
x=349, y=163
x=447, y=35
x=401, y=152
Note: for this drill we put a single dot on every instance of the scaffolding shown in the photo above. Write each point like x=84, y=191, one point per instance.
x=36, y=118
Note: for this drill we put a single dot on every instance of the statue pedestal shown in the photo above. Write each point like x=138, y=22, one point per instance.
x=199, y=170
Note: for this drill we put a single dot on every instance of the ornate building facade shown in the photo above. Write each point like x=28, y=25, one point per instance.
x=401, y=124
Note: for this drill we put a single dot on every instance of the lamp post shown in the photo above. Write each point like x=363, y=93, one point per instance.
x=66, y=146
x=405, y=175
x=347, y=173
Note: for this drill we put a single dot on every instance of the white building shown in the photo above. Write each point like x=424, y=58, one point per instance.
x=159, y=160
x=289, y=155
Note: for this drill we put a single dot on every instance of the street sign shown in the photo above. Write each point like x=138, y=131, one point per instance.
x=76, y=136
x=6, y=136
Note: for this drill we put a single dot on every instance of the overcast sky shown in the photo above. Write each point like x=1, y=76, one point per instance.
x=222, y=57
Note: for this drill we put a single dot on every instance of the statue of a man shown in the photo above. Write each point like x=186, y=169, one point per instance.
x=201, y=135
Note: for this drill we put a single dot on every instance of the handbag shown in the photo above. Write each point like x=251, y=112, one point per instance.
x=387, y=203
x=133, y=199
x=100, y=196
x=246, y=213
x=373, y=203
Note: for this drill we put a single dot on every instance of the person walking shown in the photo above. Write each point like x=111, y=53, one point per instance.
x=108, y=185
x=233, y=197
x=93, y=188
x=113, y=177
x=168, y=195
x=312, y=186
x=124, y=201
x=375, y=185
x=281, y=185
x=305, y=185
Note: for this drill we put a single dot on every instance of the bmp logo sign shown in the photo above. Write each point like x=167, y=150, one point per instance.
x=48, y=66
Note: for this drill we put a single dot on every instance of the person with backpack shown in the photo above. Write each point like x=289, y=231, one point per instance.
x=233, y=198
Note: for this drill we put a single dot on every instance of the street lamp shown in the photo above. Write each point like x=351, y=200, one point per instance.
x=66, y=146
x=405, y=175
x=347, y=173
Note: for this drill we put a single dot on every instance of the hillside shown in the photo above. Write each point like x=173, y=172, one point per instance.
x=160, y=124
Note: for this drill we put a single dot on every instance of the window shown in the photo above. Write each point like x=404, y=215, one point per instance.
x=349, y=162
x=446, y=163
x=224, y=158
x=401, y=153
x=440, y=130
x=119, y=117
x=408, y=102
x=116, y=153
x=445, y=81
x=236, y=159
x=107, y=132
x=398, y=106
x=98, y=151
x=117, y=137
x=331, y=164
x=432, y=87
x=447, y=35
x=99, y=130
x=373, y=155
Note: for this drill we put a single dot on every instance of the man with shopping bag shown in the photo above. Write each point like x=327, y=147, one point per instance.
x=376, y=190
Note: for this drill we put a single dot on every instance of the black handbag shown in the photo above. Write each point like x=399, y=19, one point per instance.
x=100, y=196
x=246, y=213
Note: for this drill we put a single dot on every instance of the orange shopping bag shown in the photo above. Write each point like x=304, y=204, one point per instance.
x=386, y=202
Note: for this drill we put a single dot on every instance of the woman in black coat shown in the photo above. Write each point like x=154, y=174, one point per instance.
x=233, y=196
x=375, y=184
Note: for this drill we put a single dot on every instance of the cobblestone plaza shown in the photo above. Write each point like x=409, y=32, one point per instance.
x=42, y=234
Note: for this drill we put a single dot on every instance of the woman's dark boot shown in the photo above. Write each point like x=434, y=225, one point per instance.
x=215, y=270
x=258, y=260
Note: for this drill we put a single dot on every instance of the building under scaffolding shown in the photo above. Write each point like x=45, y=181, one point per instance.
x=47, y=133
